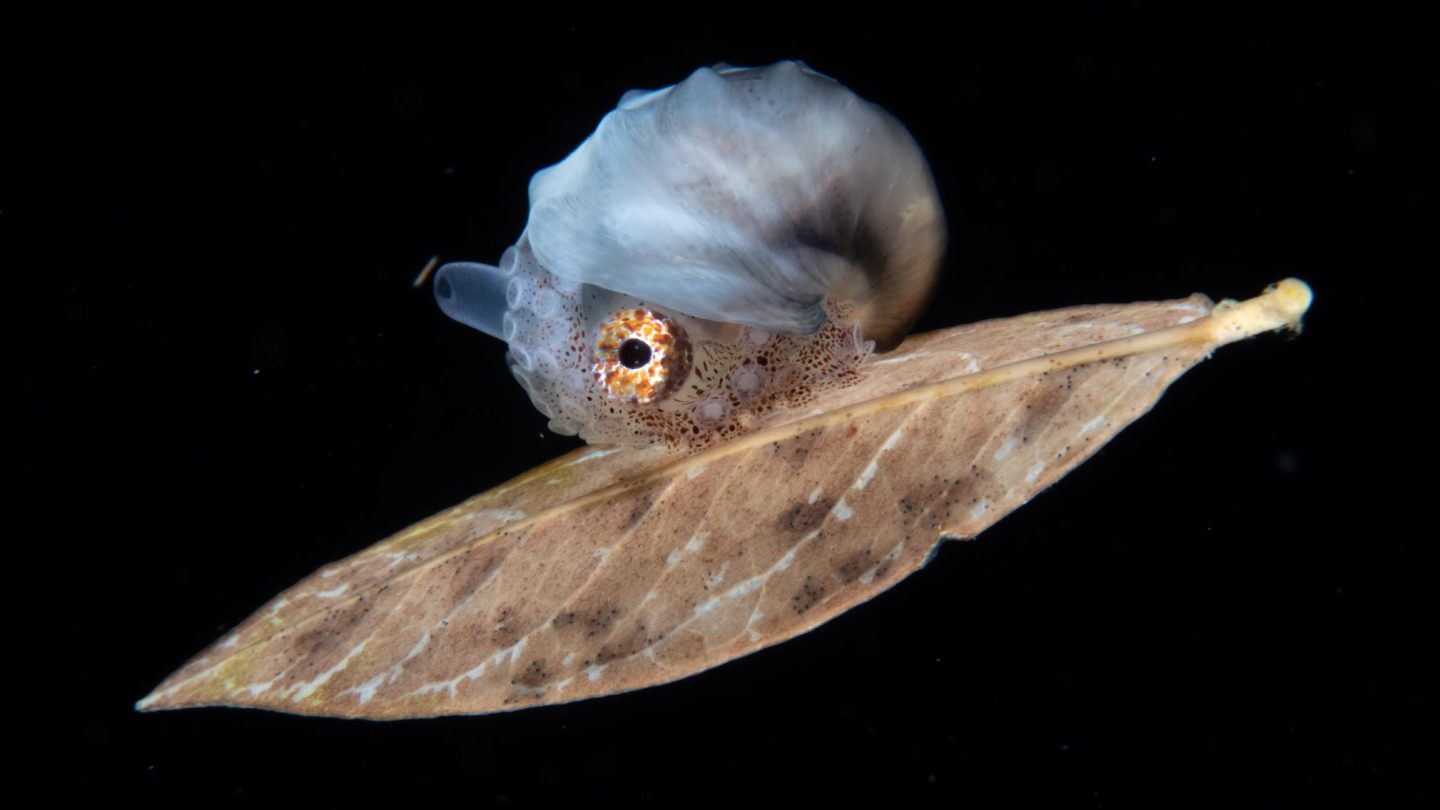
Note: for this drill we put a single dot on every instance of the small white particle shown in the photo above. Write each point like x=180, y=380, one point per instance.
x=901, y=359
x=560, y=685
x=309, y=688
x=673, y=558
x=714, y=580
x=430, y=265
x=893, y=440
x=1189, y=308
x=695, y=472
x=367, y=690
x=1034, y=472
x=397, y=557
x=1092, y=424
x=436, y=686
x=707, y=606
x=334, y=592
x=842, y=511
x=230, y=642
x=748, y=586
x=697, y=542
x=417, y=649
x=594, y=454
x=504, y=515
x=1186, y=319
x=784, y=562
x=329, y=572
x=258, y=688
x=866, y=476
x=518, y=648
x=602, y=553
x=891, y=556
x=568, y=659
x=593, y=672
x=275, y=608
x=1006, y=448
x=815, y=495
x=981, y=507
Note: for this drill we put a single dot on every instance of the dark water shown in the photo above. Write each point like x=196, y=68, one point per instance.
x=224, y=381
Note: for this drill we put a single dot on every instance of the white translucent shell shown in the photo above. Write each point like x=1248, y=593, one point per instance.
x=747, y=196
x=785, y=225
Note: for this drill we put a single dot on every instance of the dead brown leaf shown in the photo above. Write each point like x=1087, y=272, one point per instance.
x=609, y=570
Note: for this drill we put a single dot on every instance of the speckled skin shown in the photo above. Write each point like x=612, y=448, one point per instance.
x=720, y=389
x=783, y=225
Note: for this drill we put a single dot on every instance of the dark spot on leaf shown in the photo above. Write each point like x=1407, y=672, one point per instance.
x=633, y=641
x=853, y=566
x=640, y=510
x=503, y=634
x=808, y=594
x=534, y=675
x=802, y=517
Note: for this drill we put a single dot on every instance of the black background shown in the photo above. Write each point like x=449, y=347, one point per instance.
x=224, y=380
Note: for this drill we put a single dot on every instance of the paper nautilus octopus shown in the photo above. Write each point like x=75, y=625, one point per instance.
x=716, y=252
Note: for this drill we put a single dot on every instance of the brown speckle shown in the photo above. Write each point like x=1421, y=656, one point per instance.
x=534, y=675
x=802, y=517
x=853, y=566
x=808, y=595
x=503, y=634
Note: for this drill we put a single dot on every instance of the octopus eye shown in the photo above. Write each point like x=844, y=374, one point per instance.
x=641, y=356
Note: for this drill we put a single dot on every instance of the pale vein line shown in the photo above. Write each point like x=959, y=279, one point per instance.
x=469, y=597
x=1135, y=376
x=629, y=533
x=399, y=667
x=874, y=458
x=1124, y=393
x=575, y=592
x=648, y=650
x=396, y=670
x=770, y=572
x=794, y=549
x=665, y=571
x=704, y=519
x=618, y=544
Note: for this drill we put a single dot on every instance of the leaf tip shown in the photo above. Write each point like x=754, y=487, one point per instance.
x=150, y=702
x=1291, y=299
x=1280, y=306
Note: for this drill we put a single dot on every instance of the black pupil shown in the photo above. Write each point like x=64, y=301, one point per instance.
x=634, y=353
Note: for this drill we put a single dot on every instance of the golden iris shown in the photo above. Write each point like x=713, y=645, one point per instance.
x=641, y=356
